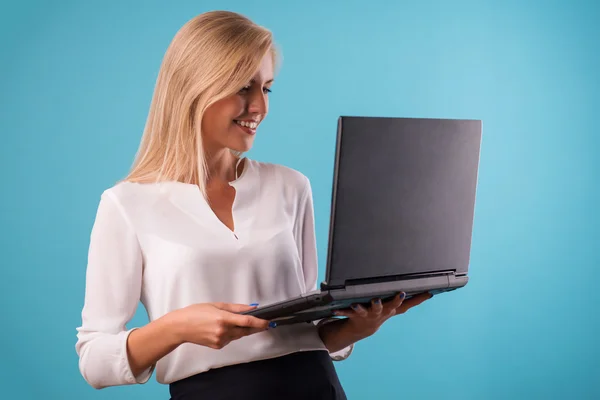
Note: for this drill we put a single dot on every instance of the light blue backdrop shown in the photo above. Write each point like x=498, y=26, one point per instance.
x=76, y=81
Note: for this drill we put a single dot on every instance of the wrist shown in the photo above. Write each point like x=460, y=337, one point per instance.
x=339, y=333
x=174, y=328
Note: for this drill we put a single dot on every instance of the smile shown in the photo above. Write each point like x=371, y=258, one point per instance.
x=247, y=124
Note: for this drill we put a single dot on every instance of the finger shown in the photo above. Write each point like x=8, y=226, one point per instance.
x=397, y=302
x=376, y=306
x=246, y=321
x=235, y=308
x=359, y=310
x=344, y=313
x=391, y=306
x=412, y=302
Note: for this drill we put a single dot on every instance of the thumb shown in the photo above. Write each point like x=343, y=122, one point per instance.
x=236, y=308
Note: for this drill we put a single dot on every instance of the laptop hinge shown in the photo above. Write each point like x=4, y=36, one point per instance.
x=325, y=286
x=402, y=277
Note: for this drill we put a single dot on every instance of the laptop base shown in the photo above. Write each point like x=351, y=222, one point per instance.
x=321, y=304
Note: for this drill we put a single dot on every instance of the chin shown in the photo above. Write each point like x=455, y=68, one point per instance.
x=241, y=147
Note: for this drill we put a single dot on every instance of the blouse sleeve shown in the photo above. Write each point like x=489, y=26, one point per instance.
x=112, y=294
x=307, y=247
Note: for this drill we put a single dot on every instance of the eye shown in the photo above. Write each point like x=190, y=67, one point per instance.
x=247, y=88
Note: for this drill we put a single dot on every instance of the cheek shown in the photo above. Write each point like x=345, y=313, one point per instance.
x=218, y=119
x=234, y=107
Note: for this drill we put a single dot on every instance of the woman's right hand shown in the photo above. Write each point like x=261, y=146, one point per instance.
x=215, y=325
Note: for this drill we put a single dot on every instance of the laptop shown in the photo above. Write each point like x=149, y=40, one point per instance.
x=402, y=213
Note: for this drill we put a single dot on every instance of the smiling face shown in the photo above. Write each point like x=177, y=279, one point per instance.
x=232, y=122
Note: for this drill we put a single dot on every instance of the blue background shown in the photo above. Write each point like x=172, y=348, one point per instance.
x=76, y=83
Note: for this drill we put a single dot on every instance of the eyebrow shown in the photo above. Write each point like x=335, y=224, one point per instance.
x=266, y=83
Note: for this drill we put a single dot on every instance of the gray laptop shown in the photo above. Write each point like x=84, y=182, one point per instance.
x=402, y=214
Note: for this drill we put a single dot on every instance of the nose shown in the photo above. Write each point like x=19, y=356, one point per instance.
x=258, y=103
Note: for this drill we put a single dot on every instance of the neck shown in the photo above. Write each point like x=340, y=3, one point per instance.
x=221, y=167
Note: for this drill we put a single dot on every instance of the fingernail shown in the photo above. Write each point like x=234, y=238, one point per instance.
x=354, y=307
x=272, y=324
x=402, y=295
x=253, y=304
x=378, y=301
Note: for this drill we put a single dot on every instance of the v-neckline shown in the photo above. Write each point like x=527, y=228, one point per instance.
x=197, y=206
x=232, y=184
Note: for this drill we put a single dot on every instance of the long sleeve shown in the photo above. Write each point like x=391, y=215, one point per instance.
x=307, y=246
x=112, y=294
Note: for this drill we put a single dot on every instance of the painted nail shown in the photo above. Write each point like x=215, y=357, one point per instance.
x=253, y=304
x=272, y=324
x=402, y=295
x=354, y=307
x=378, y=301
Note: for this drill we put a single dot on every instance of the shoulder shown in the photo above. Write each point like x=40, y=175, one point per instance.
x=132, y=195
x=285, y=177
x=291, y=176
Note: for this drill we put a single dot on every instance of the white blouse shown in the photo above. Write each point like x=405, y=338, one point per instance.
x=162, y=244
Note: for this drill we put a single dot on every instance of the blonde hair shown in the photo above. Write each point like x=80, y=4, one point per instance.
x=211, y=57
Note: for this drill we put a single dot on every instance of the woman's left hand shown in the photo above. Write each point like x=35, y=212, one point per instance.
x=365, y=321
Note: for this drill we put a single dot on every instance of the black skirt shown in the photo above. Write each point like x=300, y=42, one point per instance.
x=303, y=375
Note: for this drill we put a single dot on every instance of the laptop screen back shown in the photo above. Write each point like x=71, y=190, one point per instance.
x=403, y=197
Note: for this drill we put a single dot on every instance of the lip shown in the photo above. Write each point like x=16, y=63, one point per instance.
x=247, y=130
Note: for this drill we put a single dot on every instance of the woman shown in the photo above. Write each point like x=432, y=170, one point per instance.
x=196, y=232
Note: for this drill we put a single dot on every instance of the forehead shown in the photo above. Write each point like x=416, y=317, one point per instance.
x=264, y=73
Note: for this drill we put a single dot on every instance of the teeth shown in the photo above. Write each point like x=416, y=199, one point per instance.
x=251, y=125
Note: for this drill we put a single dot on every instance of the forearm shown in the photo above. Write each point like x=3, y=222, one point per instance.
x=337, y=335
x=147, y=345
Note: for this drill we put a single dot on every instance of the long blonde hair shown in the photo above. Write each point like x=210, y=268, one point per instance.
x=211, y=57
